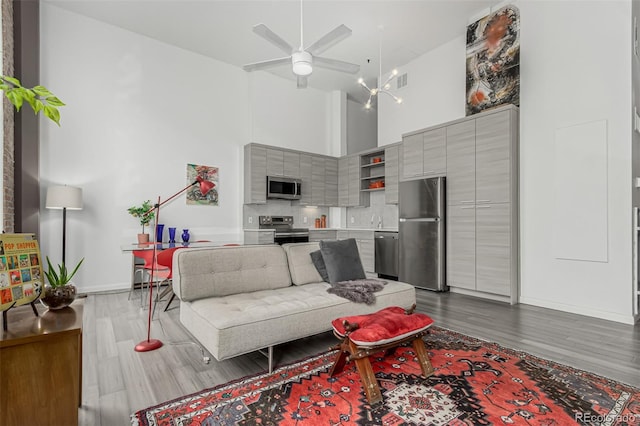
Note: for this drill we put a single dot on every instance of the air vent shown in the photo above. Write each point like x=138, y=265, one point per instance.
x=402, y=80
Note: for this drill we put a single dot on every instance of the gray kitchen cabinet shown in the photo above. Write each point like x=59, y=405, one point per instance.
x=259, y=237
x=275, y=162
x=434, y=155
x=412, y=156
x=482, y=203
x=364, y=241
x=291, y=164
x=343, y=182
x=322, y=234
x=331, y=182
x=461, y=246
x=354, y=181
x=461, y=163
x=392, y=174
x=317, y=180
x=307, y=178
x=494, y=254
x=255, y=174
x=493, y=158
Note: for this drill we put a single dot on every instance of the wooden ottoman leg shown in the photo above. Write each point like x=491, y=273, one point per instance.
x=339, y=363
x=369, y=382
x=423, y=357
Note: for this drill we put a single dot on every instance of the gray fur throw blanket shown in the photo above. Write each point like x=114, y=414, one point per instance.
x=358, y=291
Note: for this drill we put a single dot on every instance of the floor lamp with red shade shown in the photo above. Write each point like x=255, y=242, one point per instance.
x=205, y=186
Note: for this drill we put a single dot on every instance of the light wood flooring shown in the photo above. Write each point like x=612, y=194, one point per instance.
x=118, y=381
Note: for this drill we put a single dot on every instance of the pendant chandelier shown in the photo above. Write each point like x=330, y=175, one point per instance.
x=382, y=88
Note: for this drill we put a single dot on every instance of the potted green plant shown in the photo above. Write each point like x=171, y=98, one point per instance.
x=144, y=214
x=60, y=292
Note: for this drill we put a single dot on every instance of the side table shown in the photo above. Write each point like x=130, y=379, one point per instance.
x=41, y=367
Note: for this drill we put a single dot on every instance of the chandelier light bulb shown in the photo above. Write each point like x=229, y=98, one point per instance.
x=394, y=72
x=360, y=80
x=387, y=86
x=367, y=105
x=374, y=92
x=399, y=100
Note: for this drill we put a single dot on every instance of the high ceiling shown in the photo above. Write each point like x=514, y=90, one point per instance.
x=223, y=29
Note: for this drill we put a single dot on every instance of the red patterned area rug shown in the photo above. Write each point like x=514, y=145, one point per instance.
x=475, y=383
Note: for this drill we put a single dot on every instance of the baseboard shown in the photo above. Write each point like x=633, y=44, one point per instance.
x=589, y=312
x=104, y=288
x=480, y=294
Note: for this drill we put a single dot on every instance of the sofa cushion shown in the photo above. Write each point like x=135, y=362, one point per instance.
x=300, y=265
x=342, y=260
x=318, y=262
x=221, y=271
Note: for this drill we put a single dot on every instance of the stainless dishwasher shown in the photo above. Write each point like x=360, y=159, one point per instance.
x=386, y=254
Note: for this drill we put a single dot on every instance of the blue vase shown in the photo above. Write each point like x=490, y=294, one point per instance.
x=159, y=232
x=185, y=235
x=172, y=235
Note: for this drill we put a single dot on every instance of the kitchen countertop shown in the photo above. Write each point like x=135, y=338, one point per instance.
x=328, y=229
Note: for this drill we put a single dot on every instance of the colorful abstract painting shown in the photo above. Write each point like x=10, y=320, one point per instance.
x=493, y=61
x=194, y=196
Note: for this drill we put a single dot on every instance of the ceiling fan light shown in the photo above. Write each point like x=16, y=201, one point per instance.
x=302, y=63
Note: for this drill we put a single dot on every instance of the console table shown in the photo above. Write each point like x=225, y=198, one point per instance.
x=41, y=366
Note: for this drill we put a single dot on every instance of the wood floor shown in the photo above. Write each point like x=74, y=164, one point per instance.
x=118, y=381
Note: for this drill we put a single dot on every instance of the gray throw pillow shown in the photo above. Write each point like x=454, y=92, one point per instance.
x=342, y=260
x=318, y=262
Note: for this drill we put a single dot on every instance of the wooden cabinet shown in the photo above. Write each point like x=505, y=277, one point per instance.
x=461, y=163
x=275, y=162
x=259, y=236
x=255, y=174
x=424, y=154
x=317, y=181
x=306, y=177
x=354, y=181
x=343, y=182
x=434, y=154
x=482, y=203
x=392, y=174
x=41, y=367
x=412, y=156
x=322, y=234
x=331, y=182
x=291, y=167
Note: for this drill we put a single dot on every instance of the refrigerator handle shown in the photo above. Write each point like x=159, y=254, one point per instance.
x=419, y=219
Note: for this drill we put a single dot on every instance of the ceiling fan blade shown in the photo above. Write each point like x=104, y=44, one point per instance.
x=263, y=31
x=336, y=65
x=271, y=63
x=302, y=82
x=334, y=36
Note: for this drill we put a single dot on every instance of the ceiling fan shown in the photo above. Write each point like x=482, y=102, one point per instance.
x=303, y=59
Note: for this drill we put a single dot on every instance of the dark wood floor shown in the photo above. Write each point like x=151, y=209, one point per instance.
x=118, y=381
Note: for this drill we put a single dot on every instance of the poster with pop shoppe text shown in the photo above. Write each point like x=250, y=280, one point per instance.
x=21, y=274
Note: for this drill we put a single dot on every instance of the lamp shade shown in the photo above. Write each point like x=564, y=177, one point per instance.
x=59, y=197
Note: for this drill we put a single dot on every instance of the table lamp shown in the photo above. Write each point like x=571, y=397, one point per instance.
x=64, y=197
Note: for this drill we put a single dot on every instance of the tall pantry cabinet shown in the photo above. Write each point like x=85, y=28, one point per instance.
x=482, y=203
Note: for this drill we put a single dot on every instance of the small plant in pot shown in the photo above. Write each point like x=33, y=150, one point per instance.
x=144, y=215
x=60, y=292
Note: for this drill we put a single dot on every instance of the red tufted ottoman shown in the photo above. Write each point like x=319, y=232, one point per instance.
x=363, y=335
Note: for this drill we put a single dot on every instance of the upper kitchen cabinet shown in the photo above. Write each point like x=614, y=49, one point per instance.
x=461, y=163
x=291, y=166
x=495, y=157
x=275, y=162
x=424, y=154
x=331, y=182
x=391, y=173
x=255, y=174
x=307, y=177
x=434, y=154
x=317, y=181
x=343, y=181
x=412, y=156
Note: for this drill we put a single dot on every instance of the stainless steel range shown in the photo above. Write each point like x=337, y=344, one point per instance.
x=284, y=230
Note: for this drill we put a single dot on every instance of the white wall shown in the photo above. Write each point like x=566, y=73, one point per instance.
x=434, y=94
x=137, y=112
x=569, y=75
x=362, y=127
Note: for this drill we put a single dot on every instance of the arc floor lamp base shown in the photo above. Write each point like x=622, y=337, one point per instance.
x=148, y=345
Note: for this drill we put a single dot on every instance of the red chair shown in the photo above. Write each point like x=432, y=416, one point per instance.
x=165, y=259
x=160, y=273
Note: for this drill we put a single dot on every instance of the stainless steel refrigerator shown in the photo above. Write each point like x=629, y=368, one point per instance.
x=422, y=233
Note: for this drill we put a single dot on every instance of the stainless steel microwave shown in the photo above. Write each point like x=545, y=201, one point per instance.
x=283, y=187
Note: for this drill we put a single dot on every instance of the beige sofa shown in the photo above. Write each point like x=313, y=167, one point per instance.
x=236, y=300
